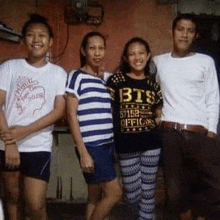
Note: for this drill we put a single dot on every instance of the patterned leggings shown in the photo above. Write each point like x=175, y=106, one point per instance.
x=139, y=171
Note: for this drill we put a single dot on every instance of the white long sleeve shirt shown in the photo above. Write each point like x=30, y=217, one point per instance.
x=190, y=89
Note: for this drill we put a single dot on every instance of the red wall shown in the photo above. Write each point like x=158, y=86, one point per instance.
x=122, y=20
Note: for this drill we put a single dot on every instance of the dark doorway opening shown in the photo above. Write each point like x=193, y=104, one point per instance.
x=209, y=38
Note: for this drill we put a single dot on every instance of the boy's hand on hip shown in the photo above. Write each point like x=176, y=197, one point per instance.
x=211, y=134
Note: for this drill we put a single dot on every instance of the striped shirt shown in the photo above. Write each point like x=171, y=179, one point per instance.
x=94, y=109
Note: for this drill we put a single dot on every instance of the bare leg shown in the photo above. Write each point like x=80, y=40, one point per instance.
x=12, y=182
x=95, y=194
x=112, y=194
x=35, y=198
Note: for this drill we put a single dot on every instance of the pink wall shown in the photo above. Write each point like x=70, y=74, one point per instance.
x=122, y=20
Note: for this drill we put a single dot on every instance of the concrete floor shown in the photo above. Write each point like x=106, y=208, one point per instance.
x=76, y=211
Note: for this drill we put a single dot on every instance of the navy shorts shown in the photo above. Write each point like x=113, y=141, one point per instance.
x=104, y=161
x=33, y=164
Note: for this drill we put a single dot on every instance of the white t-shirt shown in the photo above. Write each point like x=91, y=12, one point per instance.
x=30, y=95
x=190, y=89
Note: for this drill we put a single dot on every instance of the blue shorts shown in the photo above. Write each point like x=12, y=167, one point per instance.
x=33, y=164
x=104, y=160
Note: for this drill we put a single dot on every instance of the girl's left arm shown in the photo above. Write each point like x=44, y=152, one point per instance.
x=14, y=134
x=158, y=114
x=159, y=103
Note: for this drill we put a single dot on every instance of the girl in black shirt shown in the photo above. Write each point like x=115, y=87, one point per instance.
x=136, y=101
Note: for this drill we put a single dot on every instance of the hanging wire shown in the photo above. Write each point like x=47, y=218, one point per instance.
x=67, y=41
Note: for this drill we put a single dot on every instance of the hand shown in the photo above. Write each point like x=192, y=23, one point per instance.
x=87, y=163
x=157, y=120
x=14, y=134
x=211, y=134
x=4, y=136
x=12, y=156
x=158, y=113
x=101, y=70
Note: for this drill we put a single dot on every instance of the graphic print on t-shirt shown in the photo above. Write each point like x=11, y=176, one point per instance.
x=134, y=103
x=29, y=95
x=135, y=109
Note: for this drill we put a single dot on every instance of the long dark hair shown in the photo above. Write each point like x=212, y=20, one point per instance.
x=37, y=19
x=124, y=66
x=84, y=45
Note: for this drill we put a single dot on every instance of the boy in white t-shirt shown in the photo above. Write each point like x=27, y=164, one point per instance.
x=31, y=100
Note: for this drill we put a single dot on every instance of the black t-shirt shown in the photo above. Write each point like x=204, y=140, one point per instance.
x=134, y=103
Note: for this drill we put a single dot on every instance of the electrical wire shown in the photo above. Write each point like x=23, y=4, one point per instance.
x=67, y=41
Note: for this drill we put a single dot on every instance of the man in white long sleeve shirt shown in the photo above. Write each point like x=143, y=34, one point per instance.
x=189, y=120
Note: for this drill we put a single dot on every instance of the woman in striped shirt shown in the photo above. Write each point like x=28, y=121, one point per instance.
x=90, y=120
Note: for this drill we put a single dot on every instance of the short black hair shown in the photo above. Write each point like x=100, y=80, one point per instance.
x=37, y=19
x=192, y=17
x=85, y=42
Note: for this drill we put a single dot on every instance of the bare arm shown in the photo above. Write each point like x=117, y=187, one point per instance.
x=3, y=123
x=14, y=134
x=12, y=157
x=158, y=114
x=86, y=160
